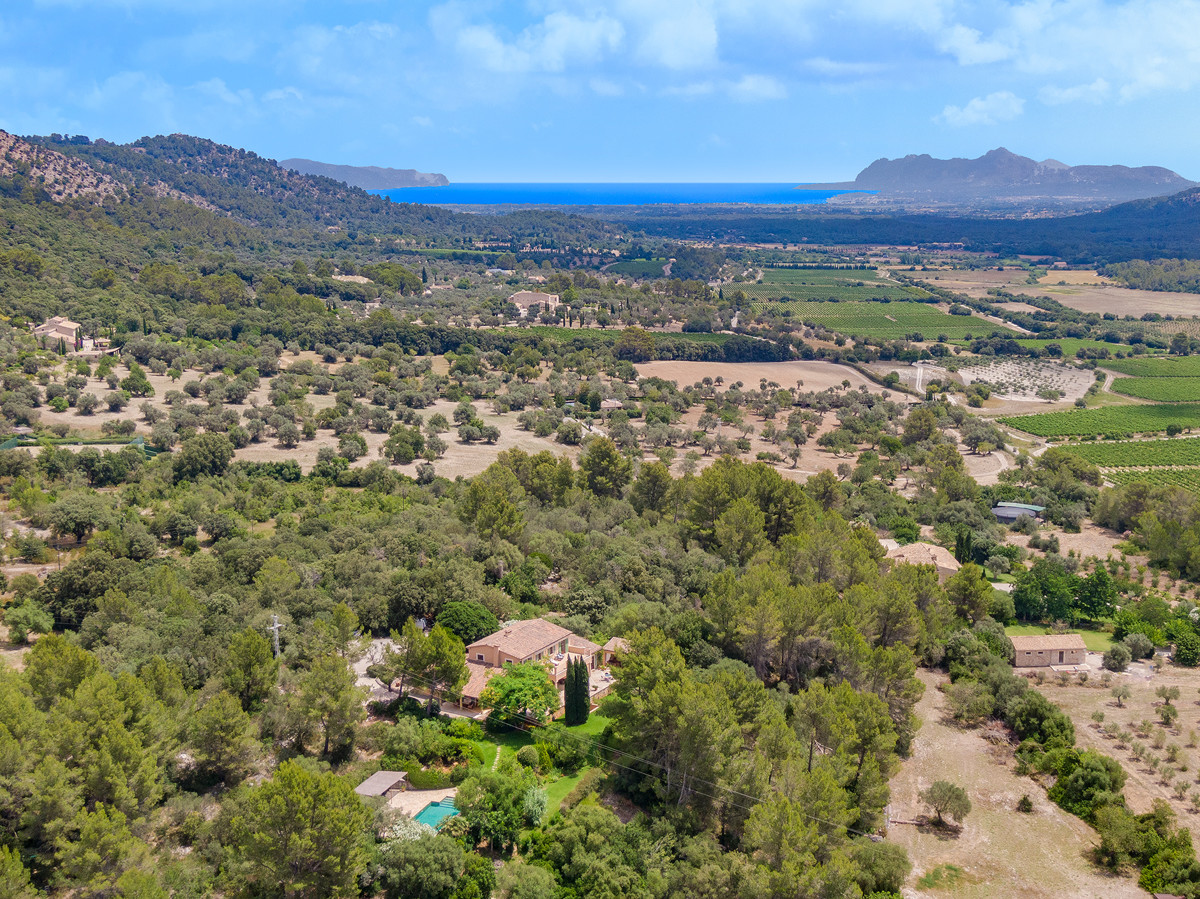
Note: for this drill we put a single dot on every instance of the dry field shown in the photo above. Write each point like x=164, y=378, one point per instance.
x=815, y=375
x=1085, y=291
x=1019, y=380
x=1075, y=277
x=1144, y=785
x=1042, y=855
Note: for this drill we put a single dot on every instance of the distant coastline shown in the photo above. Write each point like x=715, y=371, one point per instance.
x=611, y=194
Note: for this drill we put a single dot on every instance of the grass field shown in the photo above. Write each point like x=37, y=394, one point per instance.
x=1120, y=420
x=638, y=268
x=1141, y=367
x=1071, y=345
x=1096, y=641
x=827, y=284
x=1162, y=390
x=885, y=321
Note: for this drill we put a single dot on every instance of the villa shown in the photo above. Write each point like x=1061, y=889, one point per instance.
x=533, y=640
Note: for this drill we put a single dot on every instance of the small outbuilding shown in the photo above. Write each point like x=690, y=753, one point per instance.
x=383, y=783
x=1008, y=513
x=1049, y=650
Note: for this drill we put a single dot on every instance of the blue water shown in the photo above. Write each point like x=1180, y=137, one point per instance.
x=606, y=194
x=436, y=813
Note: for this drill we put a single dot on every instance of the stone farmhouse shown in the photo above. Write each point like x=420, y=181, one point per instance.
x=533, y=640
x=1049, y=650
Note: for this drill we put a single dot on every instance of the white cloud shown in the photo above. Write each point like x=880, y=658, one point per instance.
x=695, y=89
x=834, y=68
x=606, y=88
x=968, y=47
x=560, y=41
x=423, y=121
x=279, y=94
x=752, y=88
x=219, y=90
x=679, y=37
x=1002, y=106
x=1095, y=92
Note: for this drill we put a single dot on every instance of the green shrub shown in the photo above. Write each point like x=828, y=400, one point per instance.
x=528, y=756
x=589, y=783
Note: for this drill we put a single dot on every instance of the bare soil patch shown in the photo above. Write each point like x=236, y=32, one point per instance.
x=1085, y=291
x=1002, y=852
x=1074, y=277
x=815, y=375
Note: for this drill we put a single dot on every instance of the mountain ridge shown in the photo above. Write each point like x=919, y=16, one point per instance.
x=1002, y=181
x=368, y=177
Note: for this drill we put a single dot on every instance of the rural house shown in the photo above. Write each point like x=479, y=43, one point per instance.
x=524, y=299
x=51, y=331
x=1049, y=649
x=534, y=640
x=926, y=554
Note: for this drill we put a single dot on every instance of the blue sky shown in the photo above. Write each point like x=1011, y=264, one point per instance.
x=617, y=90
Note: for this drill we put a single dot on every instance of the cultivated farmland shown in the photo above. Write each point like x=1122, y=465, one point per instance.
x=1162, y=390
x=1187, y=478
x=1179, y=367
x=827, y=284
x=1182, y=451
x=884, y=321
x=1111, y=420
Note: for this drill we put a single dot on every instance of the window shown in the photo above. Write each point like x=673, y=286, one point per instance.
x=479, y=656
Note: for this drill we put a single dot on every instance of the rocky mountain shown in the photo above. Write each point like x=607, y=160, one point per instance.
x=1002, y=172
x=55, y=176
x=1000, y=180
x=368, y=177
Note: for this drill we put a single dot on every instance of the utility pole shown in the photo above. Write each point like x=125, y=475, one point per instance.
x=274, y=629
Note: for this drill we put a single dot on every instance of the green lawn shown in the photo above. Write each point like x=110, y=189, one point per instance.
x=1096, y=641
x=556, y=791
x=510, y=740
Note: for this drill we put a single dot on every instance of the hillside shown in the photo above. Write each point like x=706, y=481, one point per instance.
x=368, y=177
x=60, y=177
x=257, y=192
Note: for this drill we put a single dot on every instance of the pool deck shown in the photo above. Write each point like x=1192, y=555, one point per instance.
x=410, y=802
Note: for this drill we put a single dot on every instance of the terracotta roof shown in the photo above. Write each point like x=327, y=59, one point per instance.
x=523, y=638
x=925, y=554
x=1048, y=641
x=477, y=679
x=380, y=782
x=616, y=644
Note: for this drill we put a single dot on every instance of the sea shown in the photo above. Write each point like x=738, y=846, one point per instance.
x=608, y=194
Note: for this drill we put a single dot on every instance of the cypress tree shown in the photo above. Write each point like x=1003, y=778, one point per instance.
x=576, y=700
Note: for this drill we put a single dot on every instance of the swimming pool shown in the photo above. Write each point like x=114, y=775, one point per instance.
x=436, y=813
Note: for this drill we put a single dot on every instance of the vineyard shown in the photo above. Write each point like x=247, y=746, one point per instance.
x=1187, y=478
x=1160, y=389
x=1178, y=367
x=1120, y=420
x=827, y=284
x=1180, y=451
x=883, y=321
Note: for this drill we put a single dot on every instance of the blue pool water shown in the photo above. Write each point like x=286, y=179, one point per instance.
x=607, y=194
x=436, y=813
